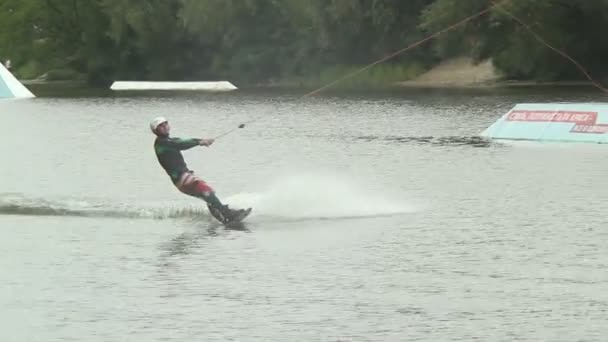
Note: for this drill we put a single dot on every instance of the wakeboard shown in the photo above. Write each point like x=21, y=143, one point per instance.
x=241, y=214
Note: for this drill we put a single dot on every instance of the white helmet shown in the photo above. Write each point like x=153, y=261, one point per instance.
x=156, y=122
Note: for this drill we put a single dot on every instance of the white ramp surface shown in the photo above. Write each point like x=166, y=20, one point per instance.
x=562, y=122
x=145, y=85
x=10, y=87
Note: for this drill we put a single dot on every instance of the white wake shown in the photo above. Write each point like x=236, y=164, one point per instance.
x=319, y=196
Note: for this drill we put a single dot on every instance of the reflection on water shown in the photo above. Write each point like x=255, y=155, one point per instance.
x=185, y=242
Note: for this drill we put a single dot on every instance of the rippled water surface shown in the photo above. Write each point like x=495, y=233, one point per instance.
x=376, y=218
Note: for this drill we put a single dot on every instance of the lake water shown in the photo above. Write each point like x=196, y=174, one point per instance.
x=377, y=217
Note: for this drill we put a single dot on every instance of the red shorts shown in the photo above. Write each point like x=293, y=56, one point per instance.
x=193, y=186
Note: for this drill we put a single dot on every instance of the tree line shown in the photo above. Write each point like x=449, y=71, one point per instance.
x=274, y=41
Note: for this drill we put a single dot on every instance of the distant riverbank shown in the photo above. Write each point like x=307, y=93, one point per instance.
x=457, y=73
x=463, y=73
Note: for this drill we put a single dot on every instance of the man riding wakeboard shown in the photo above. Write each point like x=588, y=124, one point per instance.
x=168, y=152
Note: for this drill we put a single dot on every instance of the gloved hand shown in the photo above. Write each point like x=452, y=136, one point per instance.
x=205, y=142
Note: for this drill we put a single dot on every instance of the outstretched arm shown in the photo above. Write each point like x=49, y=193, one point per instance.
x=184, y=144
x=180, y=144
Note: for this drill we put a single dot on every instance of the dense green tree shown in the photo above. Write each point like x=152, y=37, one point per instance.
x=570, y=26
x=264, y=40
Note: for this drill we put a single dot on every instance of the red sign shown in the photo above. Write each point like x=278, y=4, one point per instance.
x=596, y=129
x=585, y=122
x=582, y=118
